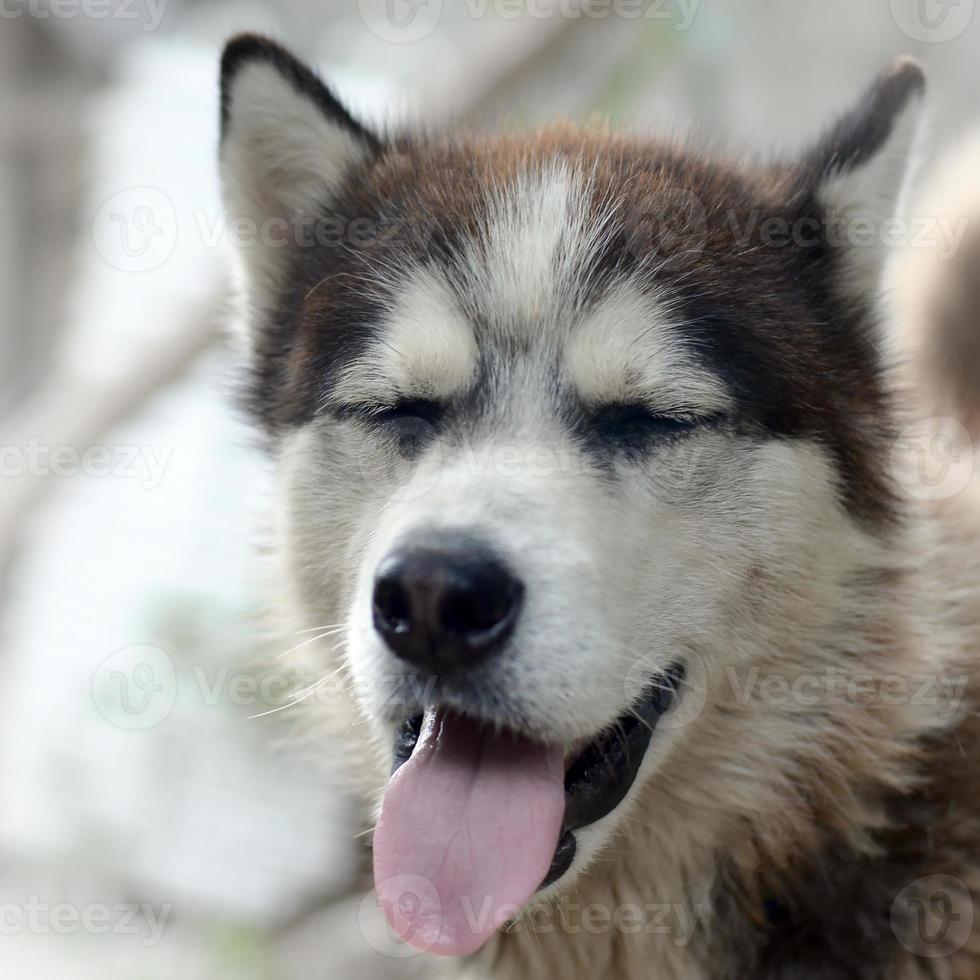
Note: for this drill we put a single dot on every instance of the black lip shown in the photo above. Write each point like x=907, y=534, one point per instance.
x=599, y=779
x=405, y=740
x=601, y=775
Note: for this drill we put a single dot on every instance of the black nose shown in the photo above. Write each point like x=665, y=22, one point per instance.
x=445, y=605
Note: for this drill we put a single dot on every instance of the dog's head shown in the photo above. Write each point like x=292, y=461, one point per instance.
x=565, y=424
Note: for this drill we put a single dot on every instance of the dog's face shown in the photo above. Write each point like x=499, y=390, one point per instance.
x=565, y=425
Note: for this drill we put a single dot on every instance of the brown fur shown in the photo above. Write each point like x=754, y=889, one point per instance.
x=786, y=841
x=797, y=872
x=420, y=199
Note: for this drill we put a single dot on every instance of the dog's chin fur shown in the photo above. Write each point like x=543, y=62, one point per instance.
x=793, y=796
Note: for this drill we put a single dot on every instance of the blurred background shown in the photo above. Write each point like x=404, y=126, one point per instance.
x=158, y=817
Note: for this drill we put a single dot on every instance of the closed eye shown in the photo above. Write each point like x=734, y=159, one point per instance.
x=633, y=428
x=410, y=422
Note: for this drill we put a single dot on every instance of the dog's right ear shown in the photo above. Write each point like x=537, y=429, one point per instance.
x=856, y=173
x=287, y=146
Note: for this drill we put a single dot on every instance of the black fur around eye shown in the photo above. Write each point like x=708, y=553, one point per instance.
x=633, y=429
x=410, y=423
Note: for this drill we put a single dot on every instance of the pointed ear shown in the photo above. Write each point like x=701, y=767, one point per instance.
x=287, y=146
x=857, y=172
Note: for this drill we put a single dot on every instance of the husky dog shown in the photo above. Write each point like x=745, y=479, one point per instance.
x=660, y=656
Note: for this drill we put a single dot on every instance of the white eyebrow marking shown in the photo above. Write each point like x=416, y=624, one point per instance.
x=423, y=348
x=630, y=350
x=528, y=267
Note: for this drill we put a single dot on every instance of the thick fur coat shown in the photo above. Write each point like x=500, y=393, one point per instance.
x=662, y=385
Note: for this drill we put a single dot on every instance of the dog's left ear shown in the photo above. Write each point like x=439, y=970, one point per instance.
x=855, y=175
x=287, y=148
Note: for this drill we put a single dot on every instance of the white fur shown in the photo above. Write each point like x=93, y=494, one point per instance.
x=629, y=350
x=862, y=199
x=621, y=580
x=528, y=272
x=281, y=161
x=730, y=553
x=424, y=348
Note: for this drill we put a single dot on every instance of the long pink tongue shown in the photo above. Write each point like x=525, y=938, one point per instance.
x=468, y=830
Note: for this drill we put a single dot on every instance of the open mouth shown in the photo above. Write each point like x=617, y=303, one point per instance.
x=478, y=820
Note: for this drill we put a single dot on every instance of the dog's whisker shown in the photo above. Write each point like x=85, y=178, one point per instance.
x=312, y=639
x=300, y=696
x=282, y=707
x=328, y=626
x=642, y=721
